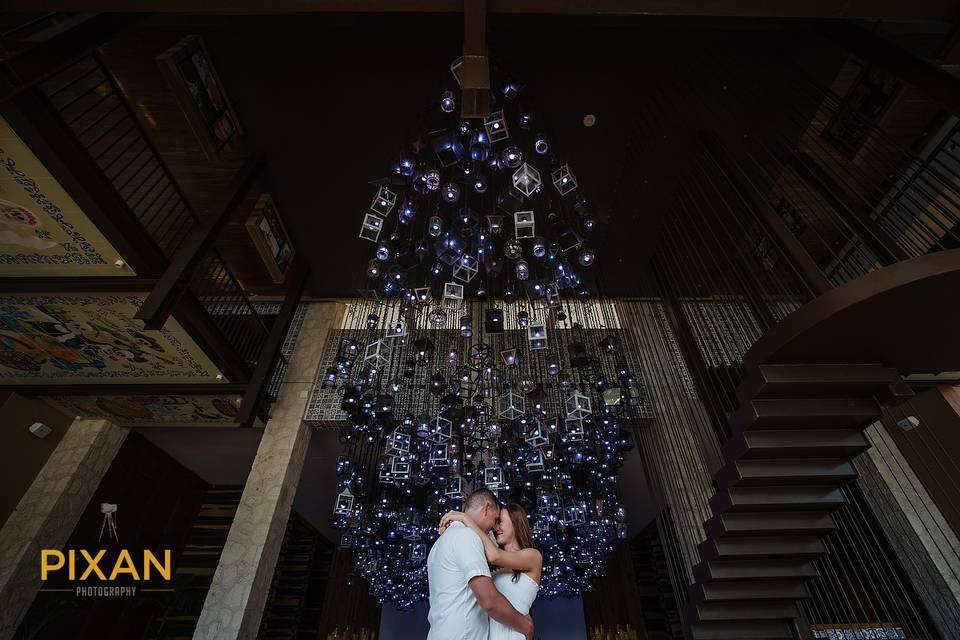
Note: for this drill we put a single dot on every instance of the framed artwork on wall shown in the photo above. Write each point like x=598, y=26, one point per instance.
x=200, y=94
x=270, y=236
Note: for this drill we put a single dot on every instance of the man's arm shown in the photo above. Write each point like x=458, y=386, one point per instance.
x=498, y=607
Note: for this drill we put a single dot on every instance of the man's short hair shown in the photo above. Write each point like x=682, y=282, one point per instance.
x=477, y=499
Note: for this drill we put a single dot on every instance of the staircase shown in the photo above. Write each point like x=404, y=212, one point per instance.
x=792, y=441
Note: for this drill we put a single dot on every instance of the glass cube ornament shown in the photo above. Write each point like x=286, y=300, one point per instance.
x=575, y=430
x=578, y=405
x=564, y=180
x=441, y=430
x=496, y=126
x=533, y=461
x=537, y=435
x=510, y=356
x=344, y=504
x=526, y=180
x=395, y=331
x=493, y=478
x=547, y=500
x=418, y=552
x=466, y=268
x=383, y=202
x=372, y=225
x=439, y=455
x=377, y=354
x=422, y=295
x=346, y=541
x=523, y=225
x=574, y=514
x=453, y=292
x=400, y=469
x=398, y=444
x=537, y=337
x=510, y=405
x=455, y=488
x=495, y=224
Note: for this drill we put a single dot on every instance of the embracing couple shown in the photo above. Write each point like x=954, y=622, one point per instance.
x=467, y=602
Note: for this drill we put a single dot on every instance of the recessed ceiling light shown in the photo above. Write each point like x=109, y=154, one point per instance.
x=589, y=120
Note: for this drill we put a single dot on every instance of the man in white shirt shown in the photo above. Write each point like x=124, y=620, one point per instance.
x=462, y=595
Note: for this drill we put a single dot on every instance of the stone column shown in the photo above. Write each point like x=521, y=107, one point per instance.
x=238, y=593
x=49, y=511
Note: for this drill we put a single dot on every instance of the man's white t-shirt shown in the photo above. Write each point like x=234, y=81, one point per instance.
x=456, y=557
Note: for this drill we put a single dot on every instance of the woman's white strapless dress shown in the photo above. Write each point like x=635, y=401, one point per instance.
x=521, y=595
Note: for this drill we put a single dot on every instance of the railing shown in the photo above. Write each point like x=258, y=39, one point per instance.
x=218, y=291
x=91, y=103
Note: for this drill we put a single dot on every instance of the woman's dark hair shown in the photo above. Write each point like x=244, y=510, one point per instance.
x=521, y=529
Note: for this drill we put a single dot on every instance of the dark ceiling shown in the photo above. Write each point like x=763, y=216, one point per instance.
x=332, y=99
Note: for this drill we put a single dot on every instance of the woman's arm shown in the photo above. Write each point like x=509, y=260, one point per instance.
x=523, y=560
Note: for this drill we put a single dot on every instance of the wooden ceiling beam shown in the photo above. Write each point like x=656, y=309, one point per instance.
x=152, y=389
x=919, y=10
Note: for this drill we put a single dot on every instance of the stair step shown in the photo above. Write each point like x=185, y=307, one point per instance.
x=748, y=590
x=744, y=610
x=814, y=471
x=817, y=381
x=796, y=413
x=742, y=630
x=796, y=443
x=758, y=547
x=783, y=498
x=753, y=570
x=769, y=523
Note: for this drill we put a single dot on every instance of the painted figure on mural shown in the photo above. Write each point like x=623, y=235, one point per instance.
x=35, y=335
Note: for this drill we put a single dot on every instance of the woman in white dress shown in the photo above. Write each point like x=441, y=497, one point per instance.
x=518, y=562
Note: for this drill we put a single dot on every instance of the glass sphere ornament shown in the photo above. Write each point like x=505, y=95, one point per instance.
x=447, y=102
x=512, y=157
x=435, y=226
x=586, y=257
x=540, y=145
x=553, y=367
x=438, y=317
x=512, y=248
x=526, y=386
x=372, y=321
x=523, y=319
x=480, y=184
x=451, y=192
x=437, y=383
x=493, y=162
x=432, y=179
x=383, y=251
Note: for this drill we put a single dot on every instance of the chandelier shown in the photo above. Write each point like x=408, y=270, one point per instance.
x=481, y=355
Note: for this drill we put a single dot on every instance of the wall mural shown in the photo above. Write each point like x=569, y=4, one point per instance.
x=84, y=338
x=43, y=232
x=167, y=411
